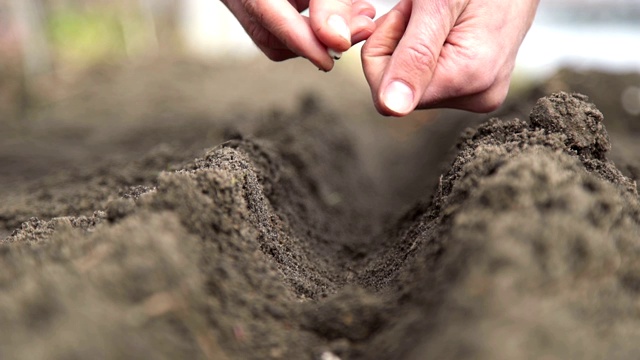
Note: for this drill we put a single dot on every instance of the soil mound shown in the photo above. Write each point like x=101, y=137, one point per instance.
x=525, y=250
x=279, y=244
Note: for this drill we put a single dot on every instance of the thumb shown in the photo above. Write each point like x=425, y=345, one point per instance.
x=330, y=21
x=413, y=61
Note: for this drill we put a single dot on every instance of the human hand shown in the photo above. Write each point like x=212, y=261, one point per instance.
x=445, y=53
x=281, y=32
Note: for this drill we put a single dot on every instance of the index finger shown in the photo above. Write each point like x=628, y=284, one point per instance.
x=281, y=19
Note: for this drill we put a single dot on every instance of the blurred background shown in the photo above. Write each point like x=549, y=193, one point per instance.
x=577, y=32
x=583, y=34
x=83, y=78
x=61, y=38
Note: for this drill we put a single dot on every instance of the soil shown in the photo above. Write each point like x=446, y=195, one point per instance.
x=317, y=230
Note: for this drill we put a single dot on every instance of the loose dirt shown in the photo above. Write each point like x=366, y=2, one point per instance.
x=303, y=234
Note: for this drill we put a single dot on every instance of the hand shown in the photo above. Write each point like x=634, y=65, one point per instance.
x=445, y=53
x=281, y=32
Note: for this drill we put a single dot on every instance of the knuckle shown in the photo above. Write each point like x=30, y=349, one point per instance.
x=474, y=77
x=258, y=34
x=492, y=104
x=420, y=57
x=493, y=98
x=251, y=6
x=275, y=56
x=482, y=72
x=262, y=37
x=270, y=55
x=499, y=95
x=478, y=81
x=366, y=53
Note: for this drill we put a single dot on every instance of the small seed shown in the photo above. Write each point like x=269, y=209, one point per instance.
x=336, y=55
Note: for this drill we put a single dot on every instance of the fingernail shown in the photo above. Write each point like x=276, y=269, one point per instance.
x=339, y=26
x=398, y=97
x=335, y=55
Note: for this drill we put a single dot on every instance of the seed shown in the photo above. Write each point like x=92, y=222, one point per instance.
x=336, y=55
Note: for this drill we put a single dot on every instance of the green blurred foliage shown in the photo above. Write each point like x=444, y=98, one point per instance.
x=80, y=36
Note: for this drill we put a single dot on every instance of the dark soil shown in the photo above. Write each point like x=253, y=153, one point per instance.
x=307, y=235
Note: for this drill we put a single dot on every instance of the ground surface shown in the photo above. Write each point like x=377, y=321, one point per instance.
x=186, y=219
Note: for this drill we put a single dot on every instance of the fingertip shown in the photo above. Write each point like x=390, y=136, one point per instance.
x=330, y=21
x=398, y=98
x=338, y=32
x=361, y=36
x=327, y=64
x=339, y=26
x=323, y=61
x=361, y=27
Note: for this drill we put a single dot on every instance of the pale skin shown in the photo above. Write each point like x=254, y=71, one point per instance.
x=422, y=54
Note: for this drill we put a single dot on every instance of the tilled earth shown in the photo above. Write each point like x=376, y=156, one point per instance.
x=294, y=238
